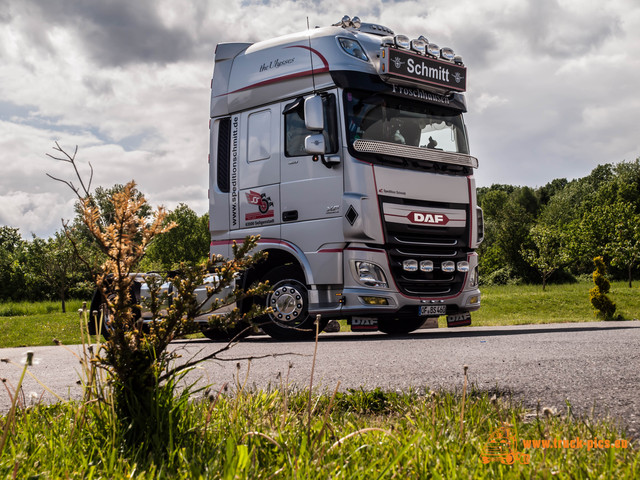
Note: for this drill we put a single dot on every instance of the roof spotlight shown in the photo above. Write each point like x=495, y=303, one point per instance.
x=418, y=45
x=346, y=21
x=402, y=41
x=447, y=53
x=433, y=49
x=355, y=22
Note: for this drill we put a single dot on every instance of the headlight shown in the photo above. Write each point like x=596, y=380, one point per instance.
x=473, y=278
x=463, y=266
x=370, y=274
x=353, y=48
x=480, y=225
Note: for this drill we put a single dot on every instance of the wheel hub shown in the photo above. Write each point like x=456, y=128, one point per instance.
x=287, y=303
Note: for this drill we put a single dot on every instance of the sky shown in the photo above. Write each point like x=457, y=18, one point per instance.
x=552, y=88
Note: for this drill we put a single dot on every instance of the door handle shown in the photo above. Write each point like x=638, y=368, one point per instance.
x=290, y=216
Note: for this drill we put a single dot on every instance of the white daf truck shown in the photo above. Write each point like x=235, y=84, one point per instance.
x=345, y=149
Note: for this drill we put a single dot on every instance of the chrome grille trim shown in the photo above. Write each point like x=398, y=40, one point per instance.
x=409, y=151
x=446, y=243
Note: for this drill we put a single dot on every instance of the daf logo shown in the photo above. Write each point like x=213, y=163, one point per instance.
x=397, y=62
x=428, y=218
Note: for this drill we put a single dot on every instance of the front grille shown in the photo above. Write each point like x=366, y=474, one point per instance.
x=437, y=244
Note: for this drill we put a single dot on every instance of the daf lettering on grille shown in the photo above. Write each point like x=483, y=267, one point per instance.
x=428, y=218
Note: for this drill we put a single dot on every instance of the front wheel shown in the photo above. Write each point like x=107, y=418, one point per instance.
x=289, y=302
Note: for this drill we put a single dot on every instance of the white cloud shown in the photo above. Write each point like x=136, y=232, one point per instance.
x=551, y=87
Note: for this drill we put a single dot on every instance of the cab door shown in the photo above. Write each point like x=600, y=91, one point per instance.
x=311, y=194
x=310, y=189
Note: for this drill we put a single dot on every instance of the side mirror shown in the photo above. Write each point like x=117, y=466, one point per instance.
x=314, y=113
x=314, y=144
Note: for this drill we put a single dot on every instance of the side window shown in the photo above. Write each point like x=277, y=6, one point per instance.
x=224, y=143
x=259, y=136
x=295, y=131
x=331, y=123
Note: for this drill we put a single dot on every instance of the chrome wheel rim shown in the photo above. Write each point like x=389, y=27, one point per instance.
x=287, y=302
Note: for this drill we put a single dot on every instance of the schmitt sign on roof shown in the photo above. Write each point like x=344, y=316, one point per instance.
x=420, y=69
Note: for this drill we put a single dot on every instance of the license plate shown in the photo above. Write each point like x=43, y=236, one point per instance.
x=430, y=310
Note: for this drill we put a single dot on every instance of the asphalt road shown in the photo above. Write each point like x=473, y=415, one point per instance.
x=593, y=366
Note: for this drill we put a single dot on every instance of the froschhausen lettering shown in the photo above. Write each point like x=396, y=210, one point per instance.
x=421, y=94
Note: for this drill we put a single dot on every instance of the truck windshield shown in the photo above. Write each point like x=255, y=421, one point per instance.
x=405, y=121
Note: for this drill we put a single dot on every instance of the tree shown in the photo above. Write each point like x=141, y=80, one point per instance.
x=12, y=276
x=507, y=225
x=548, y=254
x=624, y=245
x=188, y=242
x=53, y=262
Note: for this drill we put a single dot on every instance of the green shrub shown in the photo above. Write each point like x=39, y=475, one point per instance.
x=605, y=308
x=502, y=276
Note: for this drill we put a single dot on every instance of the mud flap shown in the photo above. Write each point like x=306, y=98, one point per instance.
x=459, y=320
x=364, y=324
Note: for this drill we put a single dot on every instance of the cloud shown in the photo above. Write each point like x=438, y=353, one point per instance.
x=550, y=95
x=32, y=212
x=115, y=32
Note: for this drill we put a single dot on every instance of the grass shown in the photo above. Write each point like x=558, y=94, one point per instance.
x=34, y=324
x=526, y=304
x=291, y=434
x=353, y=435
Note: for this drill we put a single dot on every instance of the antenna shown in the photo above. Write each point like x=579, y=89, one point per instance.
x=313, y=76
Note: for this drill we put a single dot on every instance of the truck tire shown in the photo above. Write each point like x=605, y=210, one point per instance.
x=290, y=302
x=399, y=326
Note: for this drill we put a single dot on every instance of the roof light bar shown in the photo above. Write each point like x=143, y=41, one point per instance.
x=402, y=41
x=447, y=53
x=387, y=42
x=433, y=50
x=419, y=46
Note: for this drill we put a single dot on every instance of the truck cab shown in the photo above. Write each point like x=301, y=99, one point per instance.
x=344, y=147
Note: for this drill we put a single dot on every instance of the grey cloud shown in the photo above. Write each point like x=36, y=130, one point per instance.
x=114, y=33
x=98, y=86
x=477, y=44
x=554, y=30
